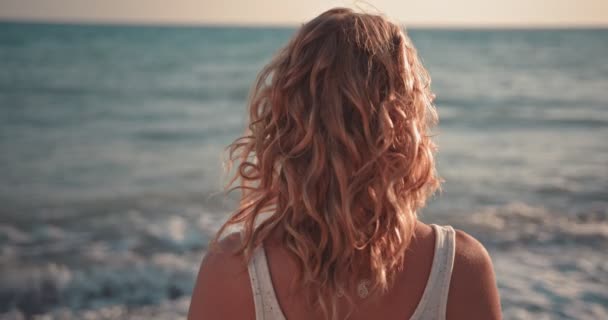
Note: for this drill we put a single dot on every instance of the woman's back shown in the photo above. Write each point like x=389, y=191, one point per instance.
x=446, y=275
x=424, y=294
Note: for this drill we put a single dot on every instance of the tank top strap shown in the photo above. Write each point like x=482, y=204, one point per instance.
x=264, y=297
x=448, y=251
x=433, y=304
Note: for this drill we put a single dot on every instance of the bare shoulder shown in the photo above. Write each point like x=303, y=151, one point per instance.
x=473, y=292
x=471, y=256
x=221, y=284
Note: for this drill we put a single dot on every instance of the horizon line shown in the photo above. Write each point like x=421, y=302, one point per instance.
x=194, y=24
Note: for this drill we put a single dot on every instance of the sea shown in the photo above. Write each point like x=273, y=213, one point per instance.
x=112, y=140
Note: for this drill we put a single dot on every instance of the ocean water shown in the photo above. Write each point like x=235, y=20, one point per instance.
x=111, y=141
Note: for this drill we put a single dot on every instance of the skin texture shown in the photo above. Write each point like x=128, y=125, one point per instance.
x=223, y=289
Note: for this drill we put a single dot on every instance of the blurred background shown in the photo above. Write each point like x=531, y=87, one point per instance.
x=114, y=115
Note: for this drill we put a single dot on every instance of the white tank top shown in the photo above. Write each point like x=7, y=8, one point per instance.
x=432, y=304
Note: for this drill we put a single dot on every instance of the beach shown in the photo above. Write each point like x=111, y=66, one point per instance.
x=111, y=144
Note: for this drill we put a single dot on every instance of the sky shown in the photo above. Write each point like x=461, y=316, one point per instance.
x=443, y=13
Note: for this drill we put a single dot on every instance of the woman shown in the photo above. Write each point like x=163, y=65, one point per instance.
x=335, y=164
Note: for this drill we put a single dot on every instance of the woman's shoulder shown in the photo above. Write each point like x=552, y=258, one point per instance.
x=473, y=291
x=222, y=283
x=222, y=258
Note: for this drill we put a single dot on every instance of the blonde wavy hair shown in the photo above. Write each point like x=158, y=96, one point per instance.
x=337, y=155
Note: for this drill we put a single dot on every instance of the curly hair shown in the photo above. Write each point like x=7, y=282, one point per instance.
x=337, y=157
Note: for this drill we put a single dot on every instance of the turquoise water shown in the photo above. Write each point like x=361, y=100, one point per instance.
x=111, y=142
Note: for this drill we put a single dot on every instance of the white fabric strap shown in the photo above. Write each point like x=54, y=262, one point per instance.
x=446, y=276
x=433, y=303
x=266, y=303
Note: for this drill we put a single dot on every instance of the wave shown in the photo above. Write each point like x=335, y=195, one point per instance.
x=517, y=224
x=37, y=290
